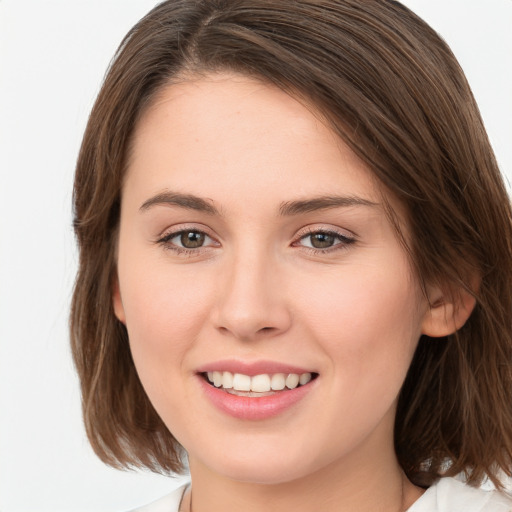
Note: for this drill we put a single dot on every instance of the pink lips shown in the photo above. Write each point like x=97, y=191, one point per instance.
x=253, y=408
x=251, y=369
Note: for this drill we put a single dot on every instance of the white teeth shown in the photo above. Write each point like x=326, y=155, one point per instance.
x=260, y=383
x=227, y=380
x=217, y=379
x=263, y=383
x=292, y=381
x=278, y=381
x=304, y=378
x=241, y=382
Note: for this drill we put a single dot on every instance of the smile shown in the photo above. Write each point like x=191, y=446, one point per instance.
x=256, y=395
x=246, y=385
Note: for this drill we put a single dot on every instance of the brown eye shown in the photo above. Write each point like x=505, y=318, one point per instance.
x=325, y=240
x=322, y=240
x=192, y=239
x=189, y=241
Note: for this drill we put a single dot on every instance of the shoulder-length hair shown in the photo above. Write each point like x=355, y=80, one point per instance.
x=392, y=90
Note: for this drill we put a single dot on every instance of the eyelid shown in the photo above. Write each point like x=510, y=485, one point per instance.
x=328, y=229
x=185, y=226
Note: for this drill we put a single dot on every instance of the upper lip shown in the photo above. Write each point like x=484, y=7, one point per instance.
x=251, y=368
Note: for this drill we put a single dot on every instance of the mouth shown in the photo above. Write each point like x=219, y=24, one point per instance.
x=261, y=385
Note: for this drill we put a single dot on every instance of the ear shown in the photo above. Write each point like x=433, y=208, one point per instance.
x=448, y=311
x=117, y=302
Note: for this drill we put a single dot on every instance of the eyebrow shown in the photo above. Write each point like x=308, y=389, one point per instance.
x=289, y=208
x=187, y=201
x=322, y=203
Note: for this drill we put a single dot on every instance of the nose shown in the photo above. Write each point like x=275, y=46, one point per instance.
x=252, y=301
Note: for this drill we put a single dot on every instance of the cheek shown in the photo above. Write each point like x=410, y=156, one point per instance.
x=368, y=327
x=164, y=317
x=165, y=309
x=368, y=320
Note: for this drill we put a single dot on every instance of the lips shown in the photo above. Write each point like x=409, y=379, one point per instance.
x=252, y=368
x=255, y=391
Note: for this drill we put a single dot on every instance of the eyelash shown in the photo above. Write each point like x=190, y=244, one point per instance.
x=343, y=241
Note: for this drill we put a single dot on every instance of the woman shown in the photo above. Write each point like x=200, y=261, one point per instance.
x=295, y=252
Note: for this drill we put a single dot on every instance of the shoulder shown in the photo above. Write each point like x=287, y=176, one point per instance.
x=451, y=495
x=168, y=503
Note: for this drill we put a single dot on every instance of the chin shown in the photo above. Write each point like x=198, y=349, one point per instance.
x=263, y=473
x=262, y=466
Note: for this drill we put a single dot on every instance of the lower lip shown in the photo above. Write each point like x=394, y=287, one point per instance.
x=255, y=408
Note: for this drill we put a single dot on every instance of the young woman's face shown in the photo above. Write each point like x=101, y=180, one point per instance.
x=253, y=242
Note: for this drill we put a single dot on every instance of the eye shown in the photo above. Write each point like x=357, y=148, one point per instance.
x=190, y=239
x=324, y=240
x=320, y=240
x=186, y=240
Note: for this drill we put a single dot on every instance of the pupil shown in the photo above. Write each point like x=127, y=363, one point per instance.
x=322, y=240
x=192, y=239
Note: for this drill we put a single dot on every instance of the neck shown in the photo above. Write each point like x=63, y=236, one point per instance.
x=379, y=486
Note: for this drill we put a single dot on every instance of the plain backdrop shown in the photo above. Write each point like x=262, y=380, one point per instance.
x=53, y=54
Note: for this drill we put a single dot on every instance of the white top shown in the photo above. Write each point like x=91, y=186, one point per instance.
x=447, y=495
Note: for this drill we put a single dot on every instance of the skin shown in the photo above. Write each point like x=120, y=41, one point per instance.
x=257, y=290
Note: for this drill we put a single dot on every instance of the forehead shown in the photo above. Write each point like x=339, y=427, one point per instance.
x=227, y=135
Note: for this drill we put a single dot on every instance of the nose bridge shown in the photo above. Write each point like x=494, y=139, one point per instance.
x=252, y=302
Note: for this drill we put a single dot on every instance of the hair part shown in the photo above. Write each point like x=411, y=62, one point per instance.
x=392, y=90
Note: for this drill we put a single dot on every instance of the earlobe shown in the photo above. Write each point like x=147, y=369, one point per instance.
x=117, y=302
x=447, y=312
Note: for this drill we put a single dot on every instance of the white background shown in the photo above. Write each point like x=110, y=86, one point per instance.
x=53, y=54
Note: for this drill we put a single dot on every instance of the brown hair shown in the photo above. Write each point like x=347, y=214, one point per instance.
x=392, y=89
